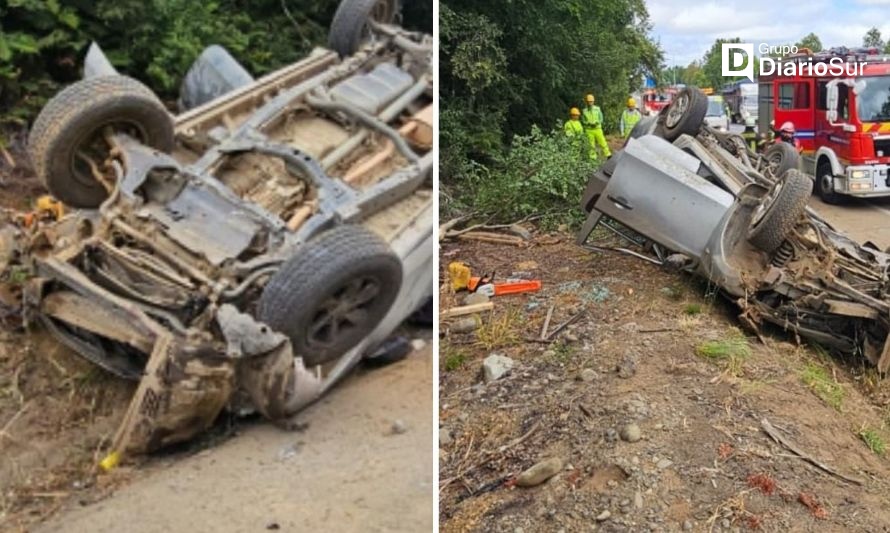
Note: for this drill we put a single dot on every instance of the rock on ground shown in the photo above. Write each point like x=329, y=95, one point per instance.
x=540, y=472
x=495, y=366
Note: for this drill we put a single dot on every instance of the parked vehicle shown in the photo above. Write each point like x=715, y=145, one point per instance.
x=249, y=252
x=741, y=97
x=716, y=116
x=654, y=100
x=753, y=235
x=842, y=122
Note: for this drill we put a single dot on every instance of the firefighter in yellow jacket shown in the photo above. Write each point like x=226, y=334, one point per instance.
x=592, y=120
x=574, y=130
x=629, y=118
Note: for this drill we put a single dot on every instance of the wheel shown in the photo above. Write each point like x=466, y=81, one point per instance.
x=685, y=114
x=68, y=136
x=350, y=25
x=332, y=293
x=780, y=158
x=780, y=210
x=825, y=185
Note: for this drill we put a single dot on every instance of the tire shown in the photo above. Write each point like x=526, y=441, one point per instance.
x=72, y=121
x=684, y=115
x=780, y=210
x=350, y=25
x=781, y=157
x=825, y=185
x=313, y=291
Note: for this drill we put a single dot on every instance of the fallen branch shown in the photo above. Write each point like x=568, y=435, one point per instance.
x=5, y=431
x=492, y=238
x=8, y=157
x=488, y=455
x=562, y=326
x=776, y=436
x=444, y=228
x=466, y=310
x=547, y=323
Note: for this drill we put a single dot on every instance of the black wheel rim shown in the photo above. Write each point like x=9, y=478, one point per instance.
x=347, y=310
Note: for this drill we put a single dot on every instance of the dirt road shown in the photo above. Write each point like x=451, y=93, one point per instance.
x=863, y=220
x=350, y=469
x=650, y=406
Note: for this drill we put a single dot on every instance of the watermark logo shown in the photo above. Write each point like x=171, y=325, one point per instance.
x=738, y=59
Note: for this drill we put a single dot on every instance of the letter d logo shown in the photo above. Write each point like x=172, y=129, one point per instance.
x=737, y=59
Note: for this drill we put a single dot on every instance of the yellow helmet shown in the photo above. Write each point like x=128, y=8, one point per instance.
x=574, y=112
x=631, y=102
x=589, y=98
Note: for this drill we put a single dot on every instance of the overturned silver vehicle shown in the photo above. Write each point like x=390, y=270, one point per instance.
x=248, y=252
x=704, y=202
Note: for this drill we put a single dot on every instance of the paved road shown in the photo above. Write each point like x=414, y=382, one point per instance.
x=863, y=220
x=346, y=472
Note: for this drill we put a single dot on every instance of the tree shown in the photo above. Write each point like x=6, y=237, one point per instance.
x=505, y=69
x=810, y=41
x=872, y=39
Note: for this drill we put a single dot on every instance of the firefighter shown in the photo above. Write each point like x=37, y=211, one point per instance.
x=786, y=134
x=629, y=118
x=592, y=119
x=573, y=128
x=573, y=125
x=750, y=133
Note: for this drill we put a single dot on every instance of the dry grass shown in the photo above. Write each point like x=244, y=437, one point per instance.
x=501, y=329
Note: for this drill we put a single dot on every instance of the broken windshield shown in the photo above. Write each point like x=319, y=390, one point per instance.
x=874, y=99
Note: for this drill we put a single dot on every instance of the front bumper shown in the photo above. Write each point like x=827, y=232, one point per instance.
x=864, y=181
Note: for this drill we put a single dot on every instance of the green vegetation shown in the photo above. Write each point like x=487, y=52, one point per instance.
x=508, y=75
x=43, y=42
x=731, y=351
x=825, y=386
x=736, y=345
x=873, y=440
x=563, y=352
x=454, y=359
x=692, y=309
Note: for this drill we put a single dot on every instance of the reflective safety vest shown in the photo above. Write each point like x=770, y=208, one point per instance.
x=592, y=117
x=750, y=139
x=629, y=119
x=573, y=127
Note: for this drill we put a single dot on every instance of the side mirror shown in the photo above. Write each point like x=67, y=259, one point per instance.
x=831, y=102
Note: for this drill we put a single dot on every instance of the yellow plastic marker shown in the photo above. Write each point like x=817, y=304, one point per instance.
x=110, y=462
x=459, y=274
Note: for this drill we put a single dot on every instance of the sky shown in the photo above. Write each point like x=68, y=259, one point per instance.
x=686, y=29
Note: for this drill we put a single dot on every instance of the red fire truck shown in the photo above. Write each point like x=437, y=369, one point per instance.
x=654, y=100
x=841, y=112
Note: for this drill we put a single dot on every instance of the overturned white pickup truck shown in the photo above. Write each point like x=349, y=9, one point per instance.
x=709, y=205
x=248, y=252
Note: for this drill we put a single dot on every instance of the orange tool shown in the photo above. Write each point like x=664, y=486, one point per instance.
x=509, y=287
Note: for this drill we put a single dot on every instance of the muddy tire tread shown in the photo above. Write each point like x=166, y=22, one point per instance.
x=691, y=121
x=784, y=213
x=78, y=102
x=306, y=279
x=345, y=33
